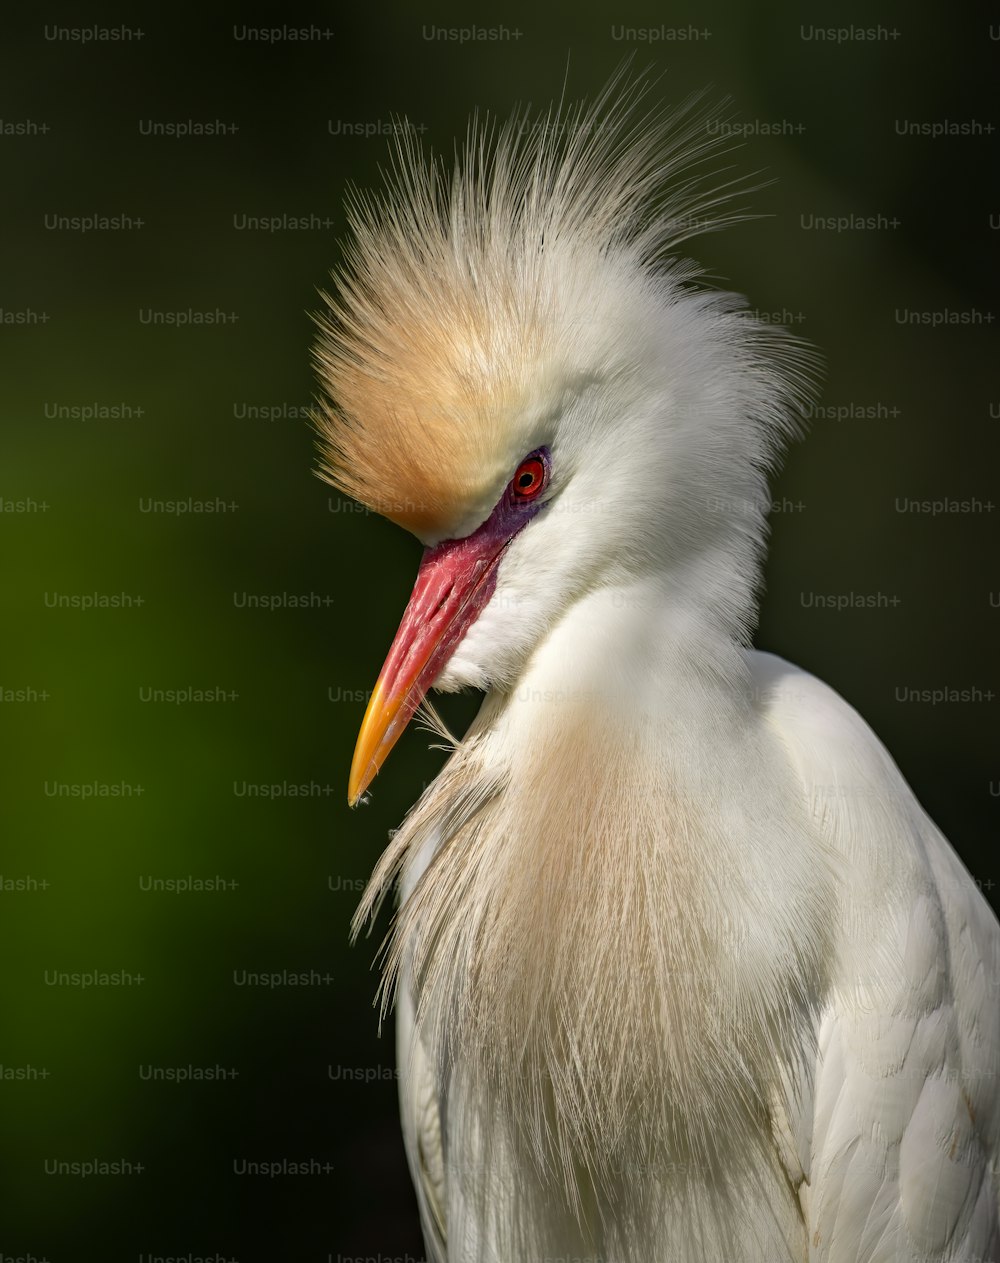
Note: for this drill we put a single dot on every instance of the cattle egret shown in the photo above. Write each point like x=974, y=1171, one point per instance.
x=682, y=969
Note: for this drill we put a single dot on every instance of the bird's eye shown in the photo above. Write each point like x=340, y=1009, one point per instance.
x=529, y=479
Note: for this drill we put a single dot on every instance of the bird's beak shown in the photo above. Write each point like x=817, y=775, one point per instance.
x=455, y=580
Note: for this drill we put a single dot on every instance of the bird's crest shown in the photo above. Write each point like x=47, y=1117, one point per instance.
x=459, y=291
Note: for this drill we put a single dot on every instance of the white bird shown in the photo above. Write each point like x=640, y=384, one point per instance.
x=683, y=970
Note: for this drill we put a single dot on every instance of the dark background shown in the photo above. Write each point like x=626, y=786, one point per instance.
x=215, y=413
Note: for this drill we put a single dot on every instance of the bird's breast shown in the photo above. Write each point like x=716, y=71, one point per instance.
x=607, y=986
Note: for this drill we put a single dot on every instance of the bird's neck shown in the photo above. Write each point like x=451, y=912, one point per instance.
x=640, y=662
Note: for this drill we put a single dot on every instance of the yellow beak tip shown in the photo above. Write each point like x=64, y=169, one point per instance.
x=372, y=745
x=355, y=792
x=363, y=772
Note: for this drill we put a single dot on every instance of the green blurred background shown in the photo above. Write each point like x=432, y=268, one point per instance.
x=282, y=603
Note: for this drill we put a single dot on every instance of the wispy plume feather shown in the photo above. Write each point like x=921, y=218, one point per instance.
x=448, y=297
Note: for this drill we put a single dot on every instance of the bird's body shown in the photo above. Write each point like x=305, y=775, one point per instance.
x=684, y=971
x=805, y=1072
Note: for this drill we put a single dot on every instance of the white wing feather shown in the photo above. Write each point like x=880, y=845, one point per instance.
x=896, y=1135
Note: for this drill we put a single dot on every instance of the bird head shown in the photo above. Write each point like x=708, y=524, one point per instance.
x=516, y=369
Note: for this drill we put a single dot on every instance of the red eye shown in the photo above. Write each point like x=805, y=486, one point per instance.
x=529, y=479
